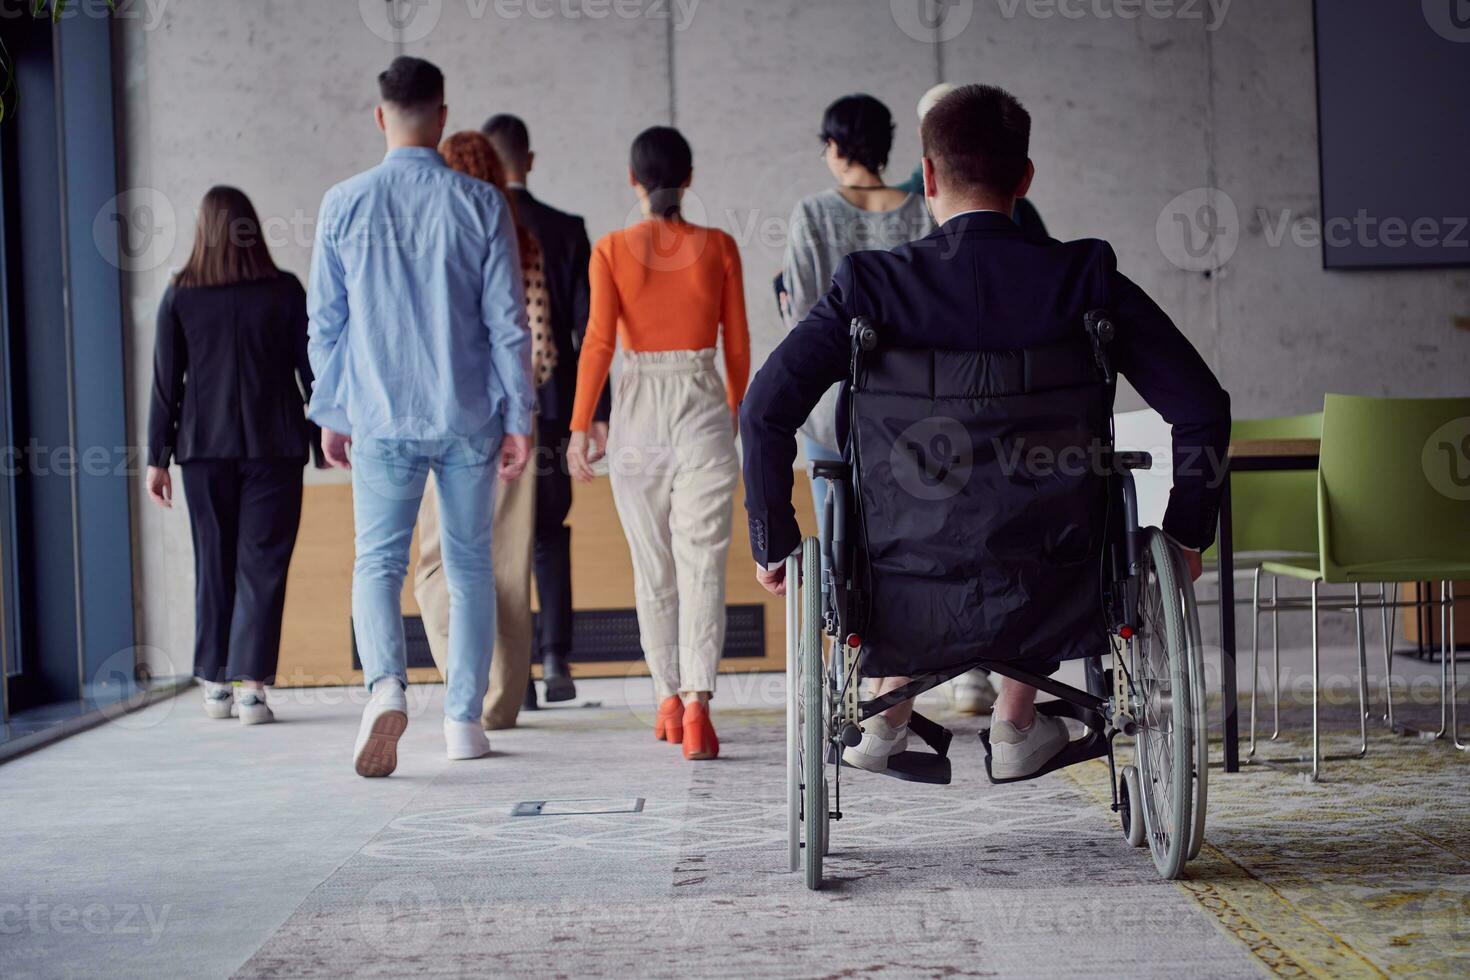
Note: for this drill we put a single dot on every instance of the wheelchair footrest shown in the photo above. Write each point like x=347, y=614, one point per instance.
x=912, y=767
x=1093, y=745
x=916, y=767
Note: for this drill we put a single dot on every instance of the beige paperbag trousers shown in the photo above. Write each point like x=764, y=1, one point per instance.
x=671, y=458
x=511, y=543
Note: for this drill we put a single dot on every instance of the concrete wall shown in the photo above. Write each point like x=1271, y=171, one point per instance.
x=1131, y=116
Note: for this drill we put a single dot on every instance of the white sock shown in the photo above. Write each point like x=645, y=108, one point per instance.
x=213, y=690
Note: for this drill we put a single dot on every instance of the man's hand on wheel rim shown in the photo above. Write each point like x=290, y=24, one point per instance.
x=772, y=582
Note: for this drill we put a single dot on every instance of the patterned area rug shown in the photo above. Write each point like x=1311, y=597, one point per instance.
x=1363, y=875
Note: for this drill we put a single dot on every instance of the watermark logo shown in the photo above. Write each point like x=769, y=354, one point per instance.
x=119, y=683
x=1446, y=459
x=932, y=459
x=399, y=917
x=1198, y=231
x=403, y=21
x=136, y=229
x=670, y=246
x=1450, y=19
x=932, y=21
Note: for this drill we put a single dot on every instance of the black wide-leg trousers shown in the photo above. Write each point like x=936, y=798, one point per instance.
x=244, y=514
x=553, y=538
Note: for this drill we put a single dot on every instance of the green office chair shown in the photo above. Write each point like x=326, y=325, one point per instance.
x=1393, y=506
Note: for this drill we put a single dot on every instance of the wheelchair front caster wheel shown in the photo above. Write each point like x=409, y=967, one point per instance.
x=851, y=735
x=1130, y=807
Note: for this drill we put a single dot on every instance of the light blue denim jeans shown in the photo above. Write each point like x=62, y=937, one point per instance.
x=388, y=477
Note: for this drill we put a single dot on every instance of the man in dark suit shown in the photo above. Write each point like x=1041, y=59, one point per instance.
x=566, y=253
x=979, y=283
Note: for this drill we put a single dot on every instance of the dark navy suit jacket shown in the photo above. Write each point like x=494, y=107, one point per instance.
x=566, y=254
x=979, y=283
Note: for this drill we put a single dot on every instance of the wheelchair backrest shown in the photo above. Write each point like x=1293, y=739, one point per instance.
x=982, y=493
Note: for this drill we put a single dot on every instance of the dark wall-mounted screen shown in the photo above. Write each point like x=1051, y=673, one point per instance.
x=1393, y=92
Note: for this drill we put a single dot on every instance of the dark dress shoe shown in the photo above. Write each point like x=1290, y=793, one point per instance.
x=530, y=704
x=558, y=678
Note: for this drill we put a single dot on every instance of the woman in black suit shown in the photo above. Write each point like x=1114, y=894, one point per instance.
x=230, y=384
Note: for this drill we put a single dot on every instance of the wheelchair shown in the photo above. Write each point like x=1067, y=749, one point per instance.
x=1141, y=646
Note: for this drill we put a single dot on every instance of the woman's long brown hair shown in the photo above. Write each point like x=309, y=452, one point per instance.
x=473, y=154
x=228, y=245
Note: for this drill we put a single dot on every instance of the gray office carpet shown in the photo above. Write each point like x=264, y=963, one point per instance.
x=960, y=881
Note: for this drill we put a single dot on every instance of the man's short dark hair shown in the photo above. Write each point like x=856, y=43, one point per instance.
x=862, y=129
x=412, y=84
x=979, y=139
x=511, y=139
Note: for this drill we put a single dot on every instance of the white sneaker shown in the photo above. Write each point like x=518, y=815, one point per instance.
x=218, y=699
x=973, y=693
x=880, y=740
x=253, y=709
x=383, y=722
x=465, y=739
x=1015, y=753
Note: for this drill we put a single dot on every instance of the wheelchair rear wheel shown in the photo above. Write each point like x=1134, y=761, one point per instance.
x=1162, y=685
x=815, y=708
x=1199, y=705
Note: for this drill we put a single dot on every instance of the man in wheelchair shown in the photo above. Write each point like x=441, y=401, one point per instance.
x=978, y=379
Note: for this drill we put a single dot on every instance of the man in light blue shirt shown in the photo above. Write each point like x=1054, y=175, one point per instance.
x=419, y=342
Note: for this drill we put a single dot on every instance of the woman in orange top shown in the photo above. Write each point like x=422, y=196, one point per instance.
x=666, y=289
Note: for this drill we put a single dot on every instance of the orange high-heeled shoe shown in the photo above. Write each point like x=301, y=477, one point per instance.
x=700, y=741
x=670, y=722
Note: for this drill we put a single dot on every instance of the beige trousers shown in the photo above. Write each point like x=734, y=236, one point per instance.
x=511, y=543
x=671, y=457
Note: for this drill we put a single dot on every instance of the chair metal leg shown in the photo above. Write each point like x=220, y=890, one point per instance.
x=1316, y=772
x=1387, y=614
x=1446, y=653
x=1362, y=669
x=1275, y=665
x=1255, y=654
x=1454, y=678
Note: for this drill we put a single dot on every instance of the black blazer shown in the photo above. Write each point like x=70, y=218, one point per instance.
x=980, y=283
x=230, y=374
x=566, y=254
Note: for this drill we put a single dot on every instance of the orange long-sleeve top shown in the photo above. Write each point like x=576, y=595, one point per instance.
x=663, y=286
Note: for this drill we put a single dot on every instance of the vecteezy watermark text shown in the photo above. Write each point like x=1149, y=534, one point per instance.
x=1211, y=12
x=36, y=916
x=410, y=21
x=150, y=12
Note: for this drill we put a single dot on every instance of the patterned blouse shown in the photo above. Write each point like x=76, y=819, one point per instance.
x=538, y=314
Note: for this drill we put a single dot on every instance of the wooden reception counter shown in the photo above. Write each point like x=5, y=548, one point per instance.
x=316, y=646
